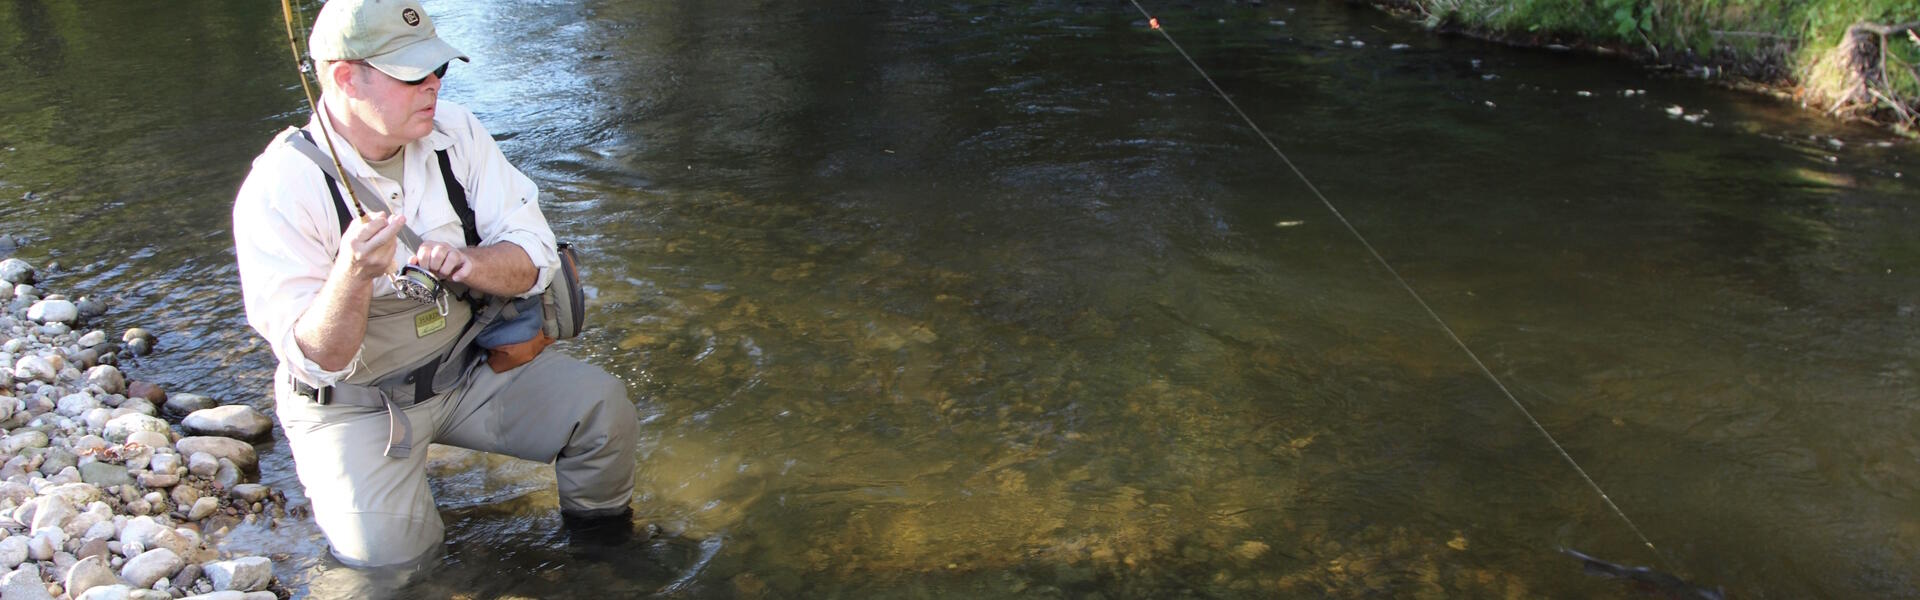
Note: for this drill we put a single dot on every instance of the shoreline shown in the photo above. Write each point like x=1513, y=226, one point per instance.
x=1858, y=76
x=110, y=487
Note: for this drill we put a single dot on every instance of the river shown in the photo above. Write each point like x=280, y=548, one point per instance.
x=999, y=299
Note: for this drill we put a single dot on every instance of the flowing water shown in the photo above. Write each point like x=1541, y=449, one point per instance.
x=998, y=299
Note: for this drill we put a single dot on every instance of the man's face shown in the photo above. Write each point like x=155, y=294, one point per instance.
x=399, y=111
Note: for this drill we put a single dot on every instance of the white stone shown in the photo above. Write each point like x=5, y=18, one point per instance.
x=140, y=529
x=13, y=551
x=16, y=272
x=241, y=453
x=160, y=441
x=107, y=377
x=24, y=584
x=53, y=311
x=80, y=494
x=234, y=421
x=35, y=368
x=164, y=462
x=136, y=406
x=227, y=595
x=114, y=591
x=120, y=427
x=16, y=492
x=248, y=574
x=203, y=508
x=203, y=464
x=96, y=419
x=67, y=475
x=91, y=338
x=21, y=440
x=103, y=530
x=78, y=527
x=53, y=512
x=8, y=404
x=44, y=543
x=75, y=405
x=89, y=573
x=151, y=566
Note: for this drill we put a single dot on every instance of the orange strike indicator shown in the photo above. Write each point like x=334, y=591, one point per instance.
x=1153, y=22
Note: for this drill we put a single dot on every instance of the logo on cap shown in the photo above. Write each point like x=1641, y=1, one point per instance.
x=412, y=17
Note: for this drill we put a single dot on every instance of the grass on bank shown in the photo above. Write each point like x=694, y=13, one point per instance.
x=1812, y=44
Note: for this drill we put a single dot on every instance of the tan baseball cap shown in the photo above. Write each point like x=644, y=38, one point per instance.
x=395, y=36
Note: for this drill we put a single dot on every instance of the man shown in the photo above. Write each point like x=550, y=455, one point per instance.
x=367, y=376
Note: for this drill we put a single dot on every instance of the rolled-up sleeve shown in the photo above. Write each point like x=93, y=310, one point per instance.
x=506, y=204
x=282, y=264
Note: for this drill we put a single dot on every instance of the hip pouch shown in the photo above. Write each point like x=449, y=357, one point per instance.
x=528, y=325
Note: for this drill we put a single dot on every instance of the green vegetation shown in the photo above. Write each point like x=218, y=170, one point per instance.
x=1854, y=58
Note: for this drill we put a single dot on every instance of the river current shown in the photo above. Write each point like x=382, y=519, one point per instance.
x=998, y=299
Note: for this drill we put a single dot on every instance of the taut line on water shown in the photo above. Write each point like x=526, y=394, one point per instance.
x=1154, y=23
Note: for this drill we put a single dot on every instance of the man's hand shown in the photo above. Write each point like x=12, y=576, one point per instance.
x=443, y=260
x=366, y=249
x=501, y=269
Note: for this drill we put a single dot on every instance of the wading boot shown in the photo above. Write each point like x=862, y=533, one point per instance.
x=606, y=530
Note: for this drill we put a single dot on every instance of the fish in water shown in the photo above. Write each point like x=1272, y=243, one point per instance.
x=1647, y=580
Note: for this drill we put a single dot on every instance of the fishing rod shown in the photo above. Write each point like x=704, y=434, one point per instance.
x=411, y=281
x=1154, y=24
x=301, y=66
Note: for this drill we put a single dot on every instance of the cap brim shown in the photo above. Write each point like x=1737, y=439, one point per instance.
x=415, y=62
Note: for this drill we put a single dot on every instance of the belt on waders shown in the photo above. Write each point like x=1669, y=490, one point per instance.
x=385, y=392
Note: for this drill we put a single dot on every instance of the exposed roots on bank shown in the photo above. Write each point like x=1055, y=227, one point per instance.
x=1867, y=73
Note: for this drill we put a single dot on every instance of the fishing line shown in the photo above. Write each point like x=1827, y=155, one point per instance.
x=300, y=64
x=1154, y=23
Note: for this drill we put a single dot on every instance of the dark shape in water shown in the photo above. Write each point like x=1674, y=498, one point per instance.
x=1646, y=579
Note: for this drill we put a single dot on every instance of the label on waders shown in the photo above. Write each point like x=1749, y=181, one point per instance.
x=427, y=322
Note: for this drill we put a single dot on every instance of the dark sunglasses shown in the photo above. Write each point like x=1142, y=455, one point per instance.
x=440, y=72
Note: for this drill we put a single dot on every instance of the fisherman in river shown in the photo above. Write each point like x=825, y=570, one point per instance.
x=374, y=366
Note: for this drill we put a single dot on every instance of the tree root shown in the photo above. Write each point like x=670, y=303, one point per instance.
x=1867, y=90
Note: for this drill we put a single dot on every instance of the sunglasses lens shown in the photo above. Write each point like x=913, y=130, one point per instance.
x=440, y=72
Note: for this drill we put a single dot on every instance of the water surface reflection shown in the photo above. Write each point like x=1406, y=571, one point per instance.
x=998, y=300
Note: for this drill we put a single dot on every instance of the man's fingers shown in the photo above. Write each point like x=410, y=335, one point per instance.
x=460, y=274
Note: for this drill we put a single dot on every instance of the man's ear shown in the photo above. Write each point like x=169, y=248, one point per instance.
x=340, y=72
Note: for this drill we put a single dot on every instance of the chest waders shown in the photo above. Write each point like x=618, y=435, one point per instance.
x=410, y=352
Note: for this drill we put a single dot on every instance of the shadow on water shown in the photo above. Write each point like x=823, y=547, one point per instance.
x=999, y=300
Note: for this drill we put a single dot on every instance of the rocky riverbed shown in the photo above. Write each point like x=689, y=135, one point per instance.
x=111, y=487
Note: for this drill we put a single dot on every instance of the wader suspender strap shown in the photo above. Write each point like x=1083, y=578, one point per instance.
x=457, y=196
x=399, y=428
